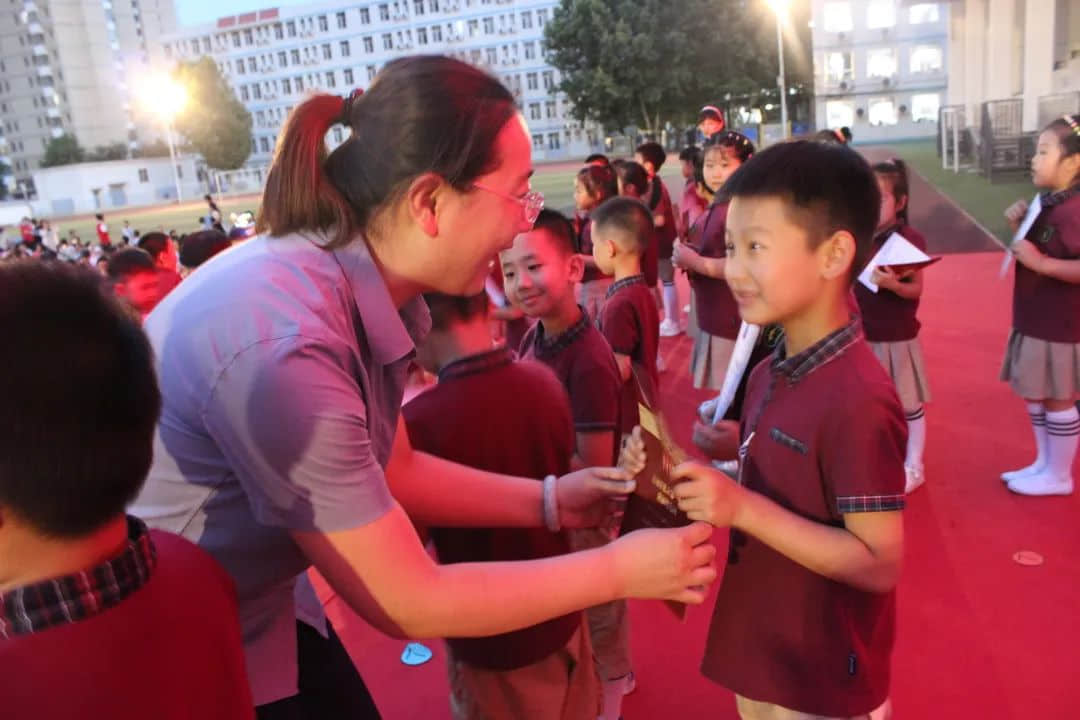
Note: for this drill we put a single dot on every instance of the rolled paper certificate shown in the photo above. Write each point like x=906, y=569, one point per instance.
x=740, y=358
x=1021, y=232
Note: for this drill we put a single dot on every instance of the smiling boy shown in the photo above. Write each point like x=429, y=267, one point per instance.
x=804, y=620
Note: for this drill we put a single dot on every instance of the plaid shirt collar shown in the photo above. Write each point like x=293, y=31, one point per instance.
x=550, y=347
x=59, y=601
x=480, y=362
x=624, y=283
x=1050, y=199
x=796, y=367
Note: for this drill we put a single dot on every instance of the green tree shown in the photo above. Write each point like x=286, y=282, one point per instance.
x=639, y=62
x=158, y=148
x=113, y=151
x=214, y=122
x=63, y=150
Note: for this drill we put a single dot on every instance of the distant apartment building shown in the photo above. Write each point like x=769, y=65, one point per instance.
x=68, y=66
x=880, y=66
x=273, y=57
x=1028, y=49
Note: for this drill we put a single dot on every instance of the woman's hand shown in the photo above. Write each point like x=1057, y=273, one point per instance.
x=1015, y=214
x=593, y=496
x=685, y=257
x=672, y=564
x=1029, y=256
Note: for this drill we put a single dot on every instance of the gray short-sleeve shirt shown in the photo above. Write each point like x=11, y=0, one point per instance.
x=282, y=367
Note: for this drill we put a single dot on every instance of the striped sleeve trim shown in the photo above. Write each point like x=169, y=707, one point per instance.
x=869, y=503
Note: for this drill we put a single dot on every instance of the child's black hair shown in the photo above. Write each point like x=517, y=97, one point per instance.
x=1067, y=129
x=652, y=152
x=634, y=175
x=690, y=154
x=831, y=189
x=629, y=217
x=599, y=181
x=832, y=137
x=130, y=261
x=558, y=226
x=78, y=370
x=742, y=146
x=896, y=173
x=448, y=310
x=597, y=159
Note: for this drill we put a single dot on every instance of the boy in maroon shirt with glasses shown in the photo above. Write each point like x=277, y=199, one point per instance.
x=539, y=272
x=804, y=620
x=544, y=671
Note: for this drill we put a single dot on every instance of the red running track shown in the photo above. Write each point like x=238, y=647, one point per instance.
x=980, y=636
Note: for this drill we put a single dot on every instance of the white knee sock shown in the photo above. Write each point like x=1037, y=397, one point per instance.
x=916, y=439
x=1037, y=413
x=671, y=302
x=1062, y=432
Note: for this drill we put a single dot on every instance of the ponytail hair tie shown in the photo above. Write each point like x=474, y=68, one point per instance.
x=347, y=104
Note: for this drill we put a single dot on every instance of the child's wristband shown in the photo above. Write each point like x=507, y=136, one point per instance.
x=551, y=504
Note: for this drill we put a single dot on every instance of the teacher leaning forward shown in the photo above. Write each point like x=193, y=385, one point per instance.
x=282, y=364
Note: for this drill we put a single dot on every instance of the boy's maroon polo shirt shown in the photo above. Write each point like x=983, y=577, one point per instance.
x=630, y=323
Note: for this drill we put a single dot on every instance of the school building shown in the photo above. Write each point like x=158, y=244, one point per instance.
x=880, y=66
x=273, y=57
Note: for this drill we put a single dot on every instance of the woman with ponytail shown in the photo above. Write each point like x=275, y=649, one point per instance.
x=282, y=364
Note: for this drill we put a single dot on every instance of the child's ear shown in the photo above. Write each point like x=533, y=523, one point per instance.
x=576, y=267
x=836, y=255
x=901, y=204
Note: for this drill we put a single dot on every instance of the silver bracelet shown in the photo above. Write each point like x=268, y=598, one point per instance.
x=551, y=504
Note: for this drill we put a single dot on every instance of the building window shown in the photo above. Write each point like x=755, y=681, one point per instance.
x=256, y=92
x=337, y=135
x=541, y=19
x=553, y=141
x=286, y=86
x=538, y=142
x=282, y=59
x=299, y=84
x=330, y=80
x=279, y=32
x=839, y=113
x=838, y=17
x=369, y=45
x=534, y=111
x=264, y=145
x=925, y=106
x=344, y=48
x=249, y=38
x=384, y=12
x=326, y=51
x=418, y=7
x=244, y=93
x=388, y=41
x=291, y=27
x=295, y=56
x=880, y=14
x=531, y=81
x=489, y=26
x=549, y=80
x=341, y=21
x=526, y=23
x=881, y=111
x=436, y=34
x=348, y=76
x=236, y=40
x=926, y=59
x=421, y=36
x=252, y=65
x=880, y=63
x=370, y=72
x=549, y=109
x=434, y=5
x=530, y=50
x=839, y=68
x=474, y=27
x=323, y=25
x=260, y=118
x=492, y=56
x=923, y=13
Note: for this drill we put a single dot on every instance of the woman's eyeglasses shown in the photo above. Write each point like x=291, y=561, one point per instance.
x=531, y=202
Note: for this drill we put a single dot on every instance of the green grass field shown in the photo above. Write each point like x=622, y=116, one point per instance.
x=557, y=184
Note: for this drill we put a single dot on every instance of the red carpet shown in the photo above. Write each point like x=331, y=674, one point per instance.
x=979, y=635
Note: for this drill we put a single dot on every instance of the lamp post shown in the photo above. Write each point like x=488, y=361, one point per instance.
x=165, y=97
x=779, y=8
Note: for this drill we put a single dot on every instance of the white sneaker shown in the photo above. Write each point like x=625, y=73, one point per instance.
x=913, y=479
x=661, y=366
x=1042, y=484
x=686, y=308
x=1033, y=469
x=669, y=328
